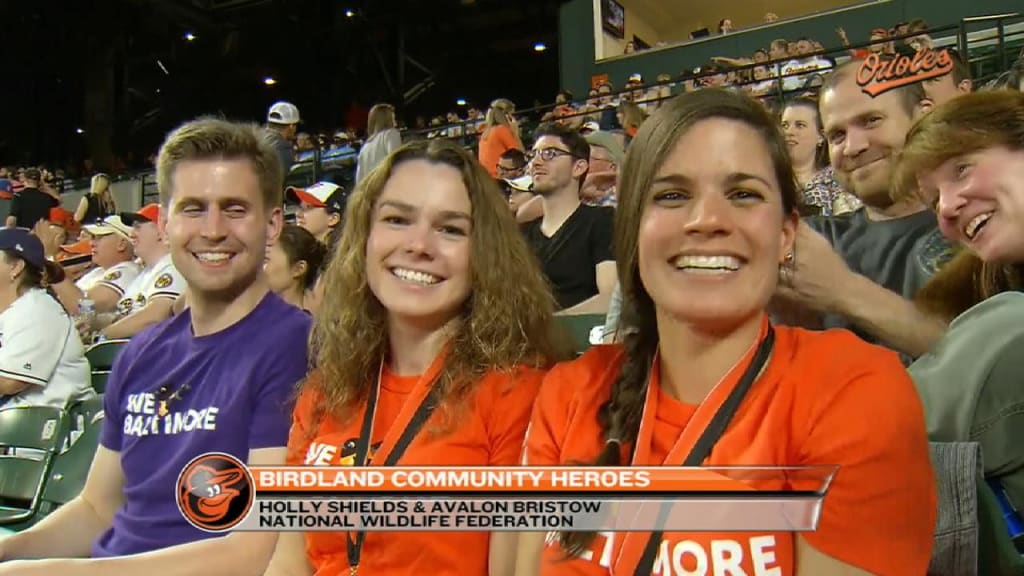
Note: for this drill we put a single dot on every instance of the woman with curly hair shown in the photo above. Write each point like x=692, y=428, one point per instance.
x=422, y=325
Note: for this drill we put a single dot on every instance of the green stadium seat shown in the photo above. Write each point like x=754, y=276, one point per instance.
x=580, y=327
x=101, y=355
x=30, y=437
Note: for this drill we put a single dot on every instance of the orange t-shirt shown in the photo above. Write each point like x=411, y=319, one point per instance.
x=826, y=398
x=489, y=432
x=493, y=144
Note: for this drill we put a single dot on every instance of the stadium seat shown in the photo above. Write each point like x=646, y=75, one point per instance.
x=580, y=328
x=30, y=437
x=997, y=555
x=101, y=358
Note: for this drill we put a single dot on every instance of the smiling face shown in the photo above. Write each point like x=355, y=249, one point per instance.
x=979, y=199
x=864, y=134
x=218, y=227
x=712, y=232
x=418, y=249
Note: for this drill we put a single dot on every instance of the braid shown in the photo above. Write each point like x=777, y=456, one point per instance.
x=620, y=416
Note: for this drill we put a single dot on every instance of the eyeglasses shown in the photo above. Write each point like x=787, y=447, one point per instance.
x=546, y=154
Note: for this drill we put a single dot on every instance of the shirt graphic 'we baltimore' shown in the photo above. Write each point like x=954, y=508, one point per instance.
x=148, y=415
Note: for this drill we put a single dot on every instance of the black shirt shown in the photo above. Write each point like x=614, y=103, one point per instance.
x=569, y=257
x=31, y=205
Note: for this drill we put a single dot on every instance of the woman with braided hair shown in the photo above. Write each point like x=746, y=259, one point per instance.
x=706, y=221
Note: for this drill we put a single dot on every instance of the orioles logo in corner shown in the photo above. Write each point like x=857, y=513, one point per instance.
x=215, y=492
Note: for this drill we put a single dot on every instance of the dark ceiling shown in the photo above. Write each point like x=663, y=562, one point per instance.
x=124, y=72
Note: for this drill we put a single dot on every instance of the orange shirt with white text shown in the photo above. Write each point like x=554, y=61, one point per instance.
x=488, y=431
x=825, y=398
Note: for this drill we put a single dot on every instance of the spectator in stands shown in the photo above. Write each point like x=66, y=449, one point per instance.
x=512, y=164
x=706, y=218
x=149, y=298
x=571, y=240
x=630, y=48
x=956, y=82
x=725, y=26
x=770, y=17
x=921, y=40
x=282, y=125
x=965, y=159
x=98, y=203
x=6, y=189
x=878, y=43
x=501, y=134
x=293, y=264
x=303, y=142
x=630, y=117
x=42, y=361
x=115, y=272
x=320, y=208
x=30, y=204
x=55, y=231
x=862, y=268
x=382, y=139
x=778, y=52
x=820, y=193
x=606, y=156
x=221, y=185
x=419, y=300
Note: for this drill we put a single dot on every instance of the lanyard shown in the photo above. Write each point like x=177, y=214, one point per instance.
x=416, y=421
x=707, y=440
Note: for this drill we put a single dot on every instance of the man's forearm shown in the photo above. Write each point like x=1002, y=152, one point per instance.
x=240, y=554
x=67, y=533
x=597, y=304
x=888, y=316
x=131, y=325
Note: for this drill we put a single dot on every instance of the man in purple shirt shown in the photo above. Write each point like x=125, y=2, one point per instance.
x=216, y=378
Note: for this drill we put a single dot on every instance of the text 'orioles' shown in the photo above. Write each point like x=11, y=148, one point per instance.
x=876, y=75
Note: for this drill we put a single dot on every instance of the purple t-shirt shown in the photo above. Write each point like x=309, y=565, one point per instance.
x=237, y=391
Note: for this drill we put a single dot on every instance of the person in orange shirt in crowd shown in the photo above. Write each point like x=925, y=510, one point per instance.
x=424, y=338
x=706, y=223
x=501, y=133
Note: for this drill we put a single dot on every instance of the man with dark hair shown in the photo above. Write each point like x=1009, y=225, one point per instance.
x=30, y=204
x=942, y=89
x=573, y=241
x=862, y=268
x=511, y=164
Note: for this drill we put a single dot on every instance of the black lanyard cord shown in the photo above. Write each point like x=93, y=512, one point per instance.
x=419, y=418
x=709, y=438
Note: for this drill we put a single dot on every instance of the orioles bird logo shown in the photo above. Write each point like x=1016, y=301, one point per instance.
x=214, y=492
x=348, y=453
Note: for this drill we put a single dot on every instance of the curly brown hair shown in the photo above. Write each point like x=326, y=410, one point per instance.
x=507, y=321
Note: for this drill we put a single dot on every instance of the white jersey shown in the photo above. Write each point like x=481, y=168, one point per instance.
x=89, y=279
x=40, y=346
x=158, y=281
x=120, y=277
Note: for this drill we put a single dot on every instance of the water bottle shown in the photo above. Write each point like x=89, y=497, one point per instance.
x=86, y=309
x=1011, y=515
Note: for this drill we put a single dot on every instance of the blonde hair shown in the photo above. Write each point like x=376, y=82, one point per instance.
x=381, y=118
x=214, y=138
x=504, y=323
x=499, y=114
x=100, y=187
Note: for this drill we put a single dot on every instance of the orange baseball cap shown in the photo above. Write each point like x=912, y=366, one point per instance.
x=78, y=248
x=148, y=213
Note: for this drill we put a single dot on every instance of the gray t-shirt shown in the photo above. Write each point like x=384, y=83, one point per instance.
x=900, y=254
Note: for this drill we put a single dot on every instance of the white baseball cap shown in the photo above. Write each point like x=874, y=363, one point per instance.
x=326, y=195
x=283, y=113
x=110, y=225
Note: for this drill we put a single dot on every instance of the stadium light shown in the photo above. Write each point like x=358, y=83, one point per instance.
x=460, y=102
x=349, y=13
x=79, y=131
x=540, y=47
x=269, y=81
x=190, y=36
